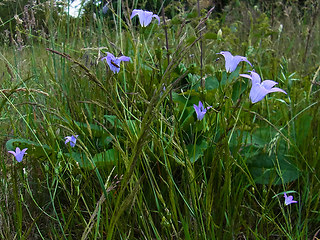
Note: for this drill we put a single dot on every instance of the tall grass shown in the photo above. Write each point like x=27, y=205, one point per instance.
x=143, y=167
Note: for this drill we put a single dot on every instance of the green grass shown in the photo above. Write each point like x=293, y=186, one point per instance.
x=143, y=166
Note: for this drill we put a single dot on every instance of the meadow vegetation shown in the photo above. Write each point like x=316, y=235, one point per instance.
x=143, y=166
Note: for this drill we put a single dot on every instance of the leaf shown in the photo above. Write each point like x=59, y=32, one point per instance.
x=224, y=78
x=102, y=159
x=109, y=157
x=210, y=35
x=96, y=130
x=238, y=88
x=111, y=119
x=302, y=128
x=266, y=170
x=35, y=149
x=196, y=151
x=211, y=83
x=190, y=40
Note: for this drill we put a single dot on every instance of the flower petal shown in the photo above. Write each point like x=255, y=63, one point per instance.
x=277, y=90
x=257, y=93
x=18, y=150
x=124, y=58
x=244, y=59
x=233, y=63
x=19, y=157
x=200, y=106
x=245, y=76
x=12, y=152
x=255, y=77
x=135, y=12
x=157, y=17
x=268, y=84
x=24, y=151
x=145, y=18
x=228, y=58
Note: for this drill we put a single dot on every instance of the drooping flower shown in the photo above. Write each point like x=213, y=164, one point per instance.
x=145, y=17
x=72, y=139
x=260, y=90
x=113, y=62
x=200, y=110
x=232, y=61
x=19, y=153
x=288, y=199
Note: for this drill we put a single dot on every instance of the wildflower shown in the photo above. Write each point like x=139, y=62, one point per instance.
x=18, y=153
x=200, y=110
x=260, y=90
x=145, y=17
x=105, y=8
x=232, y=61
x=72, y=139
x=113, y=62
x=288, y=199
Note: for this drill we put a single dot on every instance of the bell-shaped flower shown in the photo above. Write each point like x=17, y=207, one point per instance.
x=232, y=61
x=72, y=139
x=114, y=62
x=200, y=110
x=145, y=17
x=288, y=199
x=260, y=90
x=19, y=153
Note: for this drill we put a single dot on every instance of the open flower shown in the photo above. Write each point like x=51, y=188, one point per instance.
x=200, y=110
x=288, y=199
x=19, y=153
x=113, y=62
x=145, y=17
x=232, y=61
x=72, y=139
x=260, y=90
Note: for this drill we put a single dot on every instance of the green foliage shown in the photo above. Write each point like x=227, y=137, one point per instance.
x=143, y=166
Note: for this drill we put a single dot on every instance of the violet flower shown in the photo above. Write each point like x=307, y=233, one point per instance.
x=260, y=90
x=145, y=17
x=113, y=62
x=200, y=110
x=19, y=153
x=72, y=139
x=232, y=61
x=288, y=199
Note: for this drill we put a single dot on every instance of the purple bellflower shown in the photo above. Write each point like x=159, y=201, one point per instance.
x=232, y=61
x=113, y=62
x=260, y=90
x=145, y=17
x=288, y=199
x=200, y=110
x=19, y=153
x=72, y=139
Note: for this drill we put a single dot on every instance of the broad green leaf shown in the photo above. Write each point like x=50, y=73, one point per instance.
x=302, y=128
x=237, y=89
x=109, y=157
x=211, y=83
x=35, y=149
x=102, y=159
x=196, y=151
x=265, y=170
x=111, y=119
